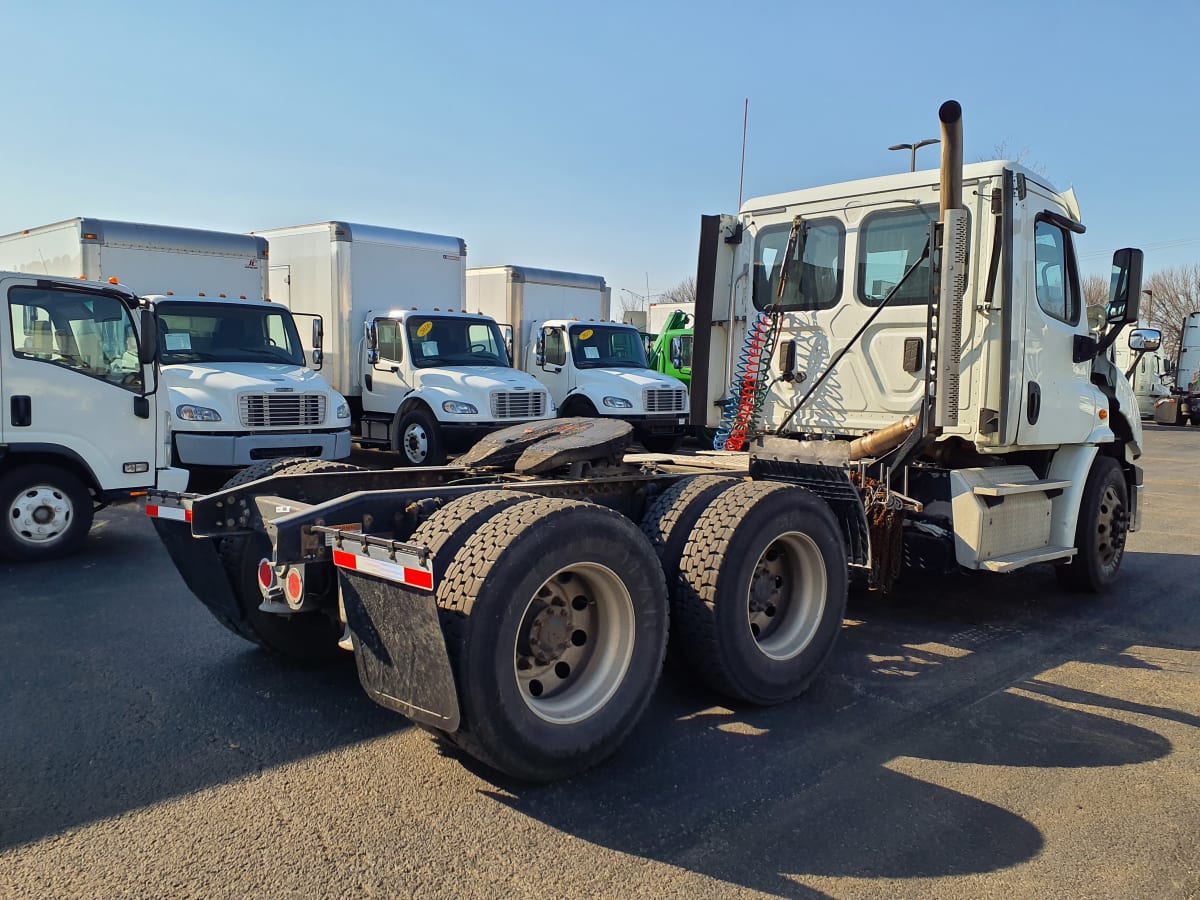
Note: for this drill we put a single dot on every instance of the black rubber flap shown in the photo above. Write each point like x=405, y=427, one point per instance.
x=200, y=565
x=544, y=446
x=400, y=651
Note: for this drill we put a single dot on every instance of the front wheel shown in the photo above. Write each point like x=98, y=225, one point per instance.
x=47, y=513
x=1101, y=531
x=418, y=439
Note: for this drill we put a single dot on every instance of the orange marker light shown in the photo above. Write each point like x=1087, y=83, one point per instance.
x=1103, y=414
x=201, y=294
x=114, y=280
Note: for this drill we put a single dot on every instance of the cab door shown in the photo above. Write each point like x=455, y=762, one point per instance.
x=386, y=383
x=1058, y=401
x=72, y=379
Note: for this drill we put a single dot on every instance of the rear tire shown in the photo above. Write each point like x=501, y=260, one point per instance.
x=762, y=592
x=47, y=513
x=555, y=619
x=307, y=637
x=1101, y=531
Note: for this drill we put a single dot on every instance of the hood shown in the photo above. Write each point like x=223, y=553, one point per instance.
x=634, y=378
x=478, y=378
x=238, y=377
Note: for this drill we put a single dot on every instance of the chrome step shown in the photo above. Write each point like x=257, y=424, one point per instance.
x=1019, y=487
x=1014, y=561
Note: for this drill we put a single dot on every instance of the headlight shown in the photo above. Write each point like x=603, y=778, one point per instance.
x=617, y=403
x=459, y=408
x=343, y=411
x=190, y=413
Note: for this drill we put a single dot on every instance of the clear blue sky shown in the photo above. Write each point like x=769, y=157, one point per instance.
x=589, y=139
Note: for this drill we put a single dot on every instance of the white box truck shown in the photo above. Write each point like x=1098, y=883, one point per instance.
x=592, y=366
x=233, y=364
x=421, y=377
x=84, y=423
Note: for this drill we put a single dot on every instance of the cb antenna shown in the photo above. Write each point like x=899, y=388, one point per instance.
x=742, y=173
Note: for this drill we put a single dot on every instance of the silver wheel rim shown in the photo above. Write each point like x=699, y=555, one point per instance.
x=786, y=598
x=415, y=442
x=1111, y=524
x=574, y=643
x=40, y=515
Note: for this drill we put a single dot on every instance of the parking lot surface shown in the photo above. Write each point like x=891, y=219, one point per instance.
x=972, y=737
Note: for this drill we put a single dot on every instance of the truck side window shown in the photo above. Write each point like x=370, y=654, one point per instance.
x=88, y=333
x=1057, y=285
x=889, y=242
x=815, y=280
x=556, y=347
x=390, y=341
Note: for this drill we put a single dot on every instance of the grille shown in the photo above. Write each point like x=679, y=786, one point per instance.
x=665, y=400
x=518, y=405
x=281, y=410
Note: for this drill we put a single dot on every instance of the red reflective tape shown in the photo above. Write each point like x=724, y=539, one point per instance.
x=345, y=560
x=417, y=578
x=151, y=510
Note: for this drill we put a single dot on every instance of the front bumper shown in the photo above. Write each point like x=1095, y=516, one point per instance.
x=672, y=425
x=246, y=449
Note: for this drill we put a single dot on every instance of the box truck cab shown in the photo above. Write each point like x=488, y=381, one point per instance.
x=420, y=376
x=235, y=400
x=238, y=385
x=591, y=366
x=85, y=420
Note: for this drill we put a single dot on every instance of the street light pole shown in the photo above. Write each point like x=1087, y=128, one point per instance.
x=914, y=148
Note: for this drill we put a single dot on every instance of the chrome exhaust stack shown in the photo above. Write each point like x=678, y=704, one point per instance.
x=952, y=262
x=950, y=114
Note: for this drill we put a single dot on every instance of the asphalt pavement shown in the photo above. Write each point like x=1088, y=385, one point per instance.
x=972, y=737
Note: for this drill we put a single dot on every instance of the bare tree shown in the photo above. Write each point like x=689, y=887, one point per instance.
x=684, y=292
x=631, y=302
x=1095, y=290
x=1020, y=157
x=1169, y=296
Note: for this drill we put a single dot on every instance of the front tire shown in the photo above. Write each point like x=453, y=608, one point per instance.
x=1101, y=531
x=762, y=592
x=556, y=631
x=47, y=513
x=418, y=439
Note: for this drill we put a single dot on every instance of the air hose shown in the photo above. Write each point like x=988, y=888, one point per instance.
x=749, y=386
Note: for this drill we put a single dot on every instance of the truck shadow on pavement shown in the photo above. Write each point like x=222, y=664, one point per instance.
x=836, y=783
x=116, y=699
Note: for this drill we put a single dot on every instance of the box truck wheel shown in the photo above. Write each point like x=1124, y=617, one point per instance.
x=418, y=439
x=306, y=637
x=1101, y=531
x=47, y=512
x=762, y=591
x=555, y=619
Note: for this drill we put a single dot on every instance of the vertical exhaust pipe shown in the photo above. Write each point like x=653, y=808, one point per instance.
x=950, y=114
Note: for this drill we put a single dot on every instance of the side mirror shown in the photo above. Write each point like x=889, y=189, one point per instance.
x=539, y=350
x=1147, y=339
x=148, y=341
x=318, y=333
x=677, y=352
x=371, y=337
x=1125, y=289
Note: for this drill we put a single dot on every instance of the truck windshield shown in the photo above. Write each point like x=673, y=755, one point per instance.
x=191, y=331
x=607, y=346
x=454, y=341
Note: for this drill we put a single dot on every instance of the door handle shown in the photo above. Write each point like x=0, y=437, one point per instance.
x=1033, y=405
x=21, y=411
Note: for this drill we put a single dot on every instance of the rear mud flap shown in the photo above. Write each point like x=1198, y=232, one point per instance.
x=200, y=565
x=400, y=651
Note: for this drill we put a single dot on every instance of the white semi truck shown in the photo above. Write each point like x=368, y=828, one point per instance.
x=1183, y=403
x=961, y=417
x=562, y=336
x=1149, y=373
x=84, y=422
x=420, y=375
x=233, y=366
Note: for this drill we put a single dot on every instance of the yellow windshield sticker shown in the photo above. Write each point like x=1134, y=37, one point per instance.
x=585, y=334
x=424, y=329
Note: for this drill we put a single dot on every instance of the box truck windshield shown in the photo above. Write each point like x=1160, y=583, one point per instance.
x=454, y=341
x=604, y=347
x=222, y=332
